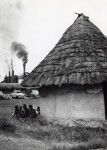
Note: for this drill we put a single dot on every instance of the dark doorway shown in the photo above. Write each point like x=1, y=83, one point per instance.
x=105, y=97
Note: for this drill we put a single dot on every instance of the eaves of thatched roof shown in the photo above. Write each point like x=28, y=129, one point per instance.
x=80, y=57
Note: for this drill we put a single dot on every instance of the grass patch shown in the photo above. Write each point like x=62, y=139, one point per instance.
x=60, y=136
x=82, y=146
x=81, y=135
x=61, y=133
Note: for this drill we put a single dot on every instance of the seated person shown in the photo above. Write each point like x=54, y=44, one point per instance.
x=38, y=110
x=16, y=113
x=25, y=111
x=21, y=112
x=32, y=112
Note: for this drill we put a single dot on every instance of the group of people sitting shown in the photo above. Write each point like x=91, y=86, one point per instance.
x=26, y=112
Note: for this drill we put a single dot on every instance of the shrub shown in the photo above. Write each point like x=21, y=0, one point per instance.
x=6, y=125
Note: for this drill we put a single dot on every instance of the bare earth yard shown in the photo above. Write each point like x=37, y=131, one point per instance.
x=40, y=134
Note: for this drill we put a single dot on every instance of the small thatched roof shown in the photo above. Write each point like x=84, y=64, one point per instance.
x=80, y=57
x=10, y=86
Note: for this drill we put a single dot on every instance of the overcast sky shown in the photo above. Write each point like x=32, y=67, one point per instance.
x=39, y=24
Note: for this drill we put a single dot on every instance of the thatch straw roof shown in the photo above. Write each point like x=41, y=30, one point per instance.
x=80, y=57
x=10, y=86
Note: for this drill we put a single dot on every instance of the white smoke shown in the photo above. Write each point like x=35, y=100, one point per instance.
x=11, y=13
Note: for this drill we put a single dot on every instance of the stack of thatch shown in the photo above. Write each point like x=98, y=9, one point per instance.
x=80, y=57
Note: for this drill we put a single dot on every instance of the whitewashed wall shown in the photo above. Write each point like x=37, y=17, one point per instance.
x=75, y=104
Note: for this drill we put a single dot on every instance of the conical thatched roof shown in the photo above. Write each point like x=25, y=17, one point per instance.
x=80, y=57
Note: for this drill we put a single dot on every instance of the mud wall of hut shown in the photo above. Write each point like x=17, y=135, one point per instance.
x=73, y=104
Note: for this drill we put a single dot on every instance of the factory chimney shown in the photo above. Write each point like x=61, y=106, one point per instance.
x=12, y=71
x=24, y=69
x=9, y=73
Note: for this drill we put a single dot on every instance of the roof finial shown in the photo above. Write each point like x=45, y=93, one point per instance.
x=79, y=14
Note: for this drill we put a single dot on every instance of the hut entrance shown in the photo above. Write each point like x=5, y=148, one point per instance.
x=105, y=97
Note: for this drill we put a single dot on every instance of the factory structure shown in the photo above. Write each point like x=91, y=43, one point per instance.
x=12, y=78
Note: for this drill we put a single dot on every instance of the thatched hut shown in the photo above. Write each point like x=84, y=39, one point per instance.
x=72, y=77
x=10, y=87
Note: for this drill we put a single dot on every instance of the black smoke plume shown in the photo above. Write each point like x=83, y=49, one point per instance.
x=20, y=50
